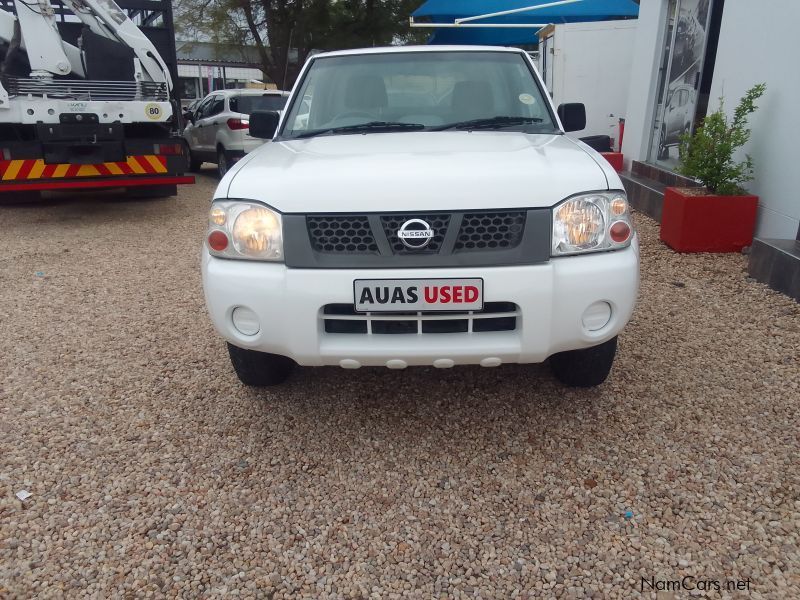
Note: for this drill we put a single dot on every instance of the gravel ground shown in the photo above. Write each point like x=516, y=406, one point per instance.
x=153, y=472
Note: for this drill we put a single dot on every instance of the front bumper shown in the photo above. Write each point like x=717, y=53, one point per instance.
x=552, y=299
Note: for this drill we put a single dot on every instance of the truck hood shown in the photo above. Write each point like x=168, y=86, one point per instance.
x=414, y=171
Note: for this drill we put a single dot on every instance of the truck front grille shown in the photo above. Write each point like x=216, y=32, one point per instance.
x=87, y=90
x=438, y=222
x=459, y=238
x=490, y=230
x=476, y=231
x=495, y=316
x=341, y=234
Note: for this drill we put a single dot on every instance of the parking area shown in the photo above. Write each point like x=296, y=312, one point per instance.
x=153, y=471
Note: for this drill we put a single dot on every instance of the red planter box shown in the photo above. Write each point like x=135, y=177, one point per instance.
x=614, y=159
x=705, y=223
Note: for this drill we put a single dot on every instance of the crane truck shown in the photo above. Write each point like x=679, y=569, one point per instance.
x=86, y=100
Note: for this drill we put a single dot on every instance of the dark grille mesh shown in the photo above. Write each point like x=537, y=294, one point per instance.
x=498, y=316
x=479, y=231
x=79, y=89
x=491, y=230
x=341, y=234
x=392, y=223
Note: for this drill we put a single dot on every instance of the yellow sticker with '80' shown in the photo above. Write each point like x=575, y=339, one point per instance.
x=153, y=111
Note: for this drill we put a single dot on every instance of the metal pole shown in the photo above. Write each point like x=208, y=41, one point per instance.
x=481, y=25
x=515, y=10
x=288, y=50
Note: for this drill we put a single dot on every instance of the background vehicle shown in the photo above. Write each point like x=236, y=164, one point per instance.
x=189, y=109
x=86, y=98
x=218, y=130
x=677, y=116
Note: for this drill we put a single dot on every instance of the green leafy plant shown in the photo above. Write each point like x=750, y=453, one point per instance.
x=707, y=155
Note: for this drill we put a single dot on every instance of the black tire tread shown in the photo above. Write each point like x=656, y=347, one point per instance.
x=585, y=368
x=259, y=369
x=155, y=191
x=20, y=197
x=221, y=150
x=194, y=163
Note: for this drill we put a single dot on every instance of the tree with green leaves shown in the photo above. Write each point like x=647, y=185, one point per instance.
x=707, y=155
x=279, y=28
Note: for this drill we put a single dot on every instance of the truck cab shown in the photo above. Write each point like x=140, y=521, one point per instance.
x=86, y=102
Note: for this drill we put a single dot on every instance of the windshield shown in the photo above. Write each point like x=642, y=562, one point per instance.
x=363, y=93
x=247, y=104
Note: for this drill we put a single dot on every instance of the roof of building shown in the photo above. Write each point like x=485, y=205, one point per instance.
x=212, y=53
x=485, y=13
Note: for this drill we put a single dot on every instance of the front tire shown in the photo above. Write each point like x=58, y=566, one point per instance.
x=155, y=191
x=194, y=163
x=585, y=368
x=223, y=162
x=663, y=149
x=260, y=369
x=20, y=197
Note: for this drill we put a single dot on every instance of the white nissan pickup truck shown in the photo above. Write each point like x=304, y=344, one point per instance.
x=420, y=206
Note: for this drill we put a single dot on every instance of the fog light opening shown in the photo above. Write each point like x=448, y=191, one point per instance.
x=596, y=316
x=245, y=321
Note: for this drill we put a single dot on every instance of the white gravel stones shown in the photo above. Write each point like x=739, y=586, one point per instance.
x=153, y=472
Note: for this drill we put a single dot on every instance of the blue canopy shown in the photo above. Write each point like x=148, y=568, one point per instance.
x=446, y=11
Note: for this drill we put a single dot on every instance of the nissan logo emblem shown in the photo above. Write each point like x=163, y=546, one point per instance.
x=415, y=234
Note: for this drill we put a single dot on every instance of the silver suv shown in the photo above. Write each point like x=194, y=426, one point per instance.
x=218, y=129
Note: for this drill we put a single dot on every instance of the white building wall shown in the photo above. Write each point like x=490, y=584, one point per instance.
x=754, y=46
x=757, y=46
x=644, y=71
x=591, y=63
x=245, y=73
x=189, y=71
x=201, y=71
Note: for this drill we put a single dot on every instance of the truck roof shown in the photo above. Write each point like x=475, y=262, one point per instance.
x=404, y=49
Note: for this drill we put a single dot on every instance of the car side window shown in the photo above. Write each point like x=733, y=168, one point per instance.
x=202, y=108
x=301, y=117
x=216, y=106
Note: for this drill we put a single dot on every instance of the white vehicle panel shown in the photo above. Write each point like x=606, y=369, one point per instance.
x=32, y=110
x=348, y=190
x=416, y=171
x=551, y=298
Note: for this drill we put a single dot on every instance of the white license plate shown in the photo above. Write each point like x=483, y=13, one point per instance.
x=384, y=295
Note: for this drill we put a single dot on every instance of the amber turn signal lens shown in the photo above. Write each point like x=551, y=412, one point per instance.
x=217, y=216
x=618, y=206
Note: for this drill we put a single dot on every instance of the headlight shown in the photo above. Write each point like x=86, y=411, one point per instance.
x=590, y=223
x=241, y=229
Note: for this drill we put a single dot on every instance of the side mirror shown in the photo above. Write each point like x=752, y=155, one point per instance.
x=573, y=116
x=188, y=116
x=264, y=124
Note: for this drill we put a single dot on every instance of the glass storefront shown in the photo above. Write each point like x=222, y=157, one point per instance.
x=679, y=78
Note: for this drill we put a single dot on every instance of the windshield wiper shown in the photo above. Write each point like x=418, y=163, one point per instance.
x=489, y=123
x=371, y=126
